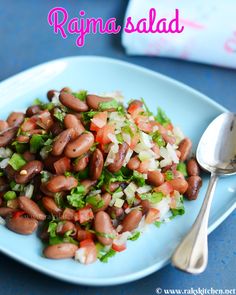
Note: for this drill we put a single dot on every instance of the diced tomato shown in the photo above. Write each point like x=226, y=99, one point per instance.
x=62, y=165
x=45, y=120
x=118, y=247
x=156, y=150
x=98, y=121
x=134, y=141
x=125, y=206
x=170, y=127
x=143, y=123
x=83, y=234
x=87, y=242
x=29, y=124
x=144, y=166
x=102, y=134
x=165, y=188
x=152, y=215
x=87, y=252
x=134, y=108
x=18, y=214
x=84, y=215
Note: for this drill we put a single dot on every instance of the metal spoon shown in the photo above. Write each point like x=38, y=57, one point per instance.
x=216, y=153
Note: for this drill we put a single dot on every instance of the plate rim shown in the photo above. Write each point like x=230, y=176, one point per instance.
x=157, y=266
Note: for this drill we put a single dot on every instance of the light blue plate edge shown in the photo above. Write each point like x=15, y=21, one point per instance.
x=164, y=262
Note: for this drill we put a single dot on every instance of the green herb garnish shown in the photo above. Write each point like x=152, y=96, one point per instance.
x=17, y=161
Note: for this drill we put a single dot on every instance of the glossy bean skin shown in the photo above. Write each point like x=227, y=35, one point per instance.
x=61, y=141
x=192, y=167
x=115, y=212
x=68, y=214
x=15, y=119
x=179, y=184
x=3, y=184
x=79, y=146
x=194, y=185
x=66, y=89
x=96, y=164
x=185, y=147
x=5, y=211
x=106, y=199
x=51, y=206
x=81, y=163
x=31, y=208
x=71, y=121
x=10, y=172
x=56, y=128
x=131, y=220
x=112, y=187
x=50, y=94
x=119, y=158
x=60, y=251
x=31, y=169
x=33, y=110
x=93, y=101
x=66, y=226
x=3, y=125
x=7, y=136
x=61, y=183
x=21, y=225
x=103, y=226
x=73, y=103
x=146, y=205
x=133, y=163
x=88, y=184
x=28, y=156
x=155, y=178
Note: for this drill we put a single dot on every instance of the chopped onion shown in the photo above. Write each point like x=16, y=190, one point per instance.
x=179, y=135
x=94, y=193
x=163, y=206
x=29, y=190
x=55, y=99
x=116, y=196
x=146, y=155
x=127, y=138
x=127, y=157
x=119, y=203
x=80, y=255
x=130, y=190
x=5, y=153
x=2, y=221
x=144, y=189
x=146, y=140
x=112, y=154
x=4, y=163
x=153, y=165
x=172, y=153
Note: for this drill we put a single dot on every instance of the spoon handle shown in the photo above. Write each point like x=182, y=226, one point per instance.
x=192, y=253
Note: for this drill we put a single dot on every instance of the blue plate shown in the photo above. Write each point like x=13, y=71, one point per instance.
x=188, y=109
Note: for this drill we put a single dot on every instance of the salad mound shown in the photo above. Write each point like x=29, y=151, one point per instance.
x=90, y=174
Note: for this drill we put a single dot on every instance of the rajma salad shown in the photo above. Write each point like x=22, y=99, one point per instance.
x=88, y=173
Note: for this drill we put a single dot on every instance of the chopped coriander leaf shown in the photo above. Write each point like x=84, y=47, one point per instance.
x=37, y=101
x=20, y=147
x=17, y=161
x=36, y=143
x=161, y=117
x=16, y=187
x=108, y=255
x=67, y=174
x=146, y=108
x=138, y=178
x=169, y=175
x=113, y=104
x=55, y=240
x=181, y=167
x=93, y=147
x=1, y=173
x=76, y=198
x=127, y=129
x=44, y=176
x=59, y=115
x=119, y=138
x=96, y=201
x=52, y=229
x=84, y=174
x=87, y=116
x=10, y=195
x=59, y=200
x=82, y=95
x=158, y=139
x=179, y=211
x=157, y=223
x=154, y=198
x=135, y=236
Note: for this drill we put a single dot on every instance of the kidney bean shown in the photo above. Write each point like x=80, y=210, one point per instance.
x=50, y=94
x=61, y=141
x=51, y=206
x=3, y=184
x=131, y=220
x=185, y=147
x=88, y=184
x=104, y=227
x=44, y=234
x=50, y=161
x=68, y=214
x=71, y=121
x=83, y=234
x=7, y=136
x=45, y=191
x=66, y=226
x=155, y=178
x=146, y=205
x=33, y=110
x=179, y=184
x=31, y=208
x=115, y=212
x=28, y=171
x=10, y=172
x=28, y=156
x=21, y=225
x=61, y=183
x=94, y=101
x=60, y=251
x=106, y=199
x=133, y=163
x=96, y=164
x=66, y=89
x=5, y=211
x=79, y=146
x=192, y=167
x=23, y=138
x=112, y=187
x=56, y=128
x=15, y=119
x=119, y=158
x=194, y=185
x=73, y=103
x=3, y=125
x=81, y=163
